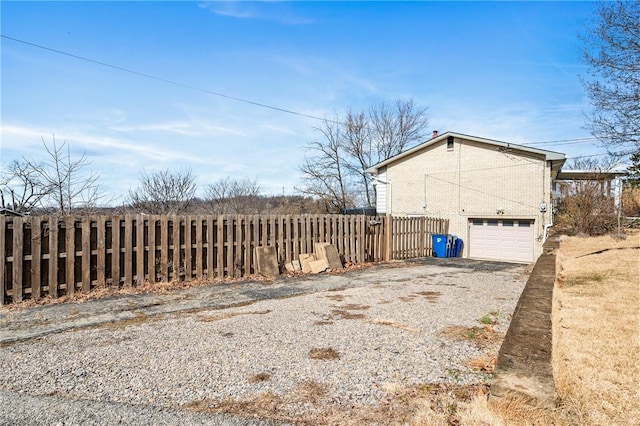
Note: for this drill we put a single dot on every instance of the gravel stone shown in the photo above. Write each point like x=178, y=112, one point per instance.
x=151, y=365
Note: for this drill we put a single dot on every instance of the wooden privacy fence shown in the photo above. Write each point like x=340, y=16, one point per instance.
x=50, y=256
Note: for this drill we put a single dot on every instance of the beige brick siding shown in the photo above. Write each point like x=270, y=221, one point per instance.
x=473, y=180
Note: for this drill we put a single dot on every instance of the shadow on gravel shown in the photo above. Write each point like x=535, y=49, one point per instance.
x=470, y=264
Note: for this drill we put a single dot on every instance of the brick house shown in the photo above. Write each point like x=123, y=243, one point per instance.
x=496, y=195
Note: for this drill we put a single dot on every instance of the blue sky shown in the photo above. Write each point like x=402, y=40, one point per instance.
x=502, y=70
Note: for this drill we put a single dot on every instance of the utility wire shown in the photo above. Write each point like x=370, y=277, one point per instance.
x=222, y=95
x=569, y=141
x=520, y=165
x=165, y=80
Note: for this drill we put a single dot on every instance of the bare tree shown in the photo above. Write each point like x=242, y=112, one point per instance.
x=358, y=146
x=612, y=52
x=60, y=181
x=325, y=173
x=395, y=127
x=335, y=170
x=164, y=192
x=587, y=206
x=21, y=187
x=233, y=196
x=595, y=164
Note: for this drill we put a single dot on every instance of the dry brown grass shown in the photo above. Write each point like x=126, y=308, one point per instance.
x=421, y=405
x=430, y=296
x=111, y=291
x=344, y=314
x=355, y=307
x=337, y=297
x=483, y=337
x=260, y=377
x=596, y=330
x=394, y=324
x=324, y=354
x=226, y=315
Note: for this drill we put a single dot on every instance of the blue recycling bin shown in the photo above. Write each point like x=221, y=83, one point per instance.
x=458, y=247
x=441, y=245
x=452, y=246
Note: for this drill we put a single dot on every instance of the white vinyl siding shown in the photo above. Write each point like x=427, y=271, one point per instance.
x=381, y=192
x=502, y=239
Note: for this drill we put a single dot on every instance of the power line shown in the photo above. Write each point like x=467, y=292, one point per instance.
x=165, y=80
x=235, y=98
x=570, y=141
x=536, y=164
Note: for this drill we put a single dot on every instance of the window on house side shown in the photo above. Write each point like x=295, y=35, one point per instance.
x=450, y=143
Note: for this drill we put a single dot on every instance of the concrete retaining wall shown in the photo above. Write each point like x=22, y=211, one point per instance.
x=524, y=360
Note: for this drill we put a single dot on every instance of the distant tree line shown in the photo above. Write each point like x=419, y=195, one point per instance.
x=333, y=175
x=62, y=185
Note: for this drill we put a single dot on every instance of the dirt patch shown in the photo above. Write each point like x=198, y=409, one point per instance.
x=337, y=297
x=140, y=318
x=394, y=324
x=260, y=377
x=355, y=307
x=431, y=296
x=342, y=314
x=226, y=315
x=324, y=354
x=482, y=337
x=323, y=322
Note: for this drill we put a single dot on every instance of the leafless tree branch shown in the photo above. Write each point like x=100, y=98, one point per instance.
x=164, y=192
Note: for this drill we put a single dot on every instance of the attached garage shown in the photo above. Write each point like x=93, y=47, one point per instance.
x=510, y=240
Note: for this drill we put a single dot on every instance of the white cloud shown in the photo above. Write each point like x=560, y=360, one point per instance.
x=187, y=128
x=269, y=11
x=18, y=138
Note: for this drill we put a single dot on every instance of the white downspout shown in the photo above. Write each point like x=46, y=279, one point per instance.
x=550, y=224
x=547, y=226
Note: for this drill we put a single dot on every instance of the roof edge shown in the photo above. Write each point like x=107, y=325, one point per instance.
x=549, y=155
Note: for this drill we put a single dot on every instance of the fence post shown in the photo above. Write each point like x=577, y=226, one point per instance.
x=86, y=255
x=70, y=253
x=36, y=257
x=3, y=283
x=53, y=256
x=101, y=229
x=151, y=253
x=175, y=262
x=388, y=229
x=139, y=250
x=116, y=238
x=18, y=238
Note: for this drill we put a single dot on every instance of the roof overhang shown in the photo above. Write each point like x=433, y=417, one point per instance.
x=590, y=174
x=557, y=157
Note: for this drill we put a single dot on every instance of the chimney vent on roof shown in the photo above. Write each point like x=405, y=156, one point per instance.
x=435, y=134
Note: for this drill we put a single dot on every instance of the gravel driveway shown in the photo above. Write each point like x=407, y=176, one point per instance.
x=297, y=345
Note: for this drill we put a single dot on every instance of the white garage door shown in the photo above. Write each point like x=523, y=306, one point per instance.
x=501, y=239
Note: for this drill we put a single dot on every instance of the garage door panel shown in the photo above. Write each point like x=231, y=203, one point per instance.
x=498, y=239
